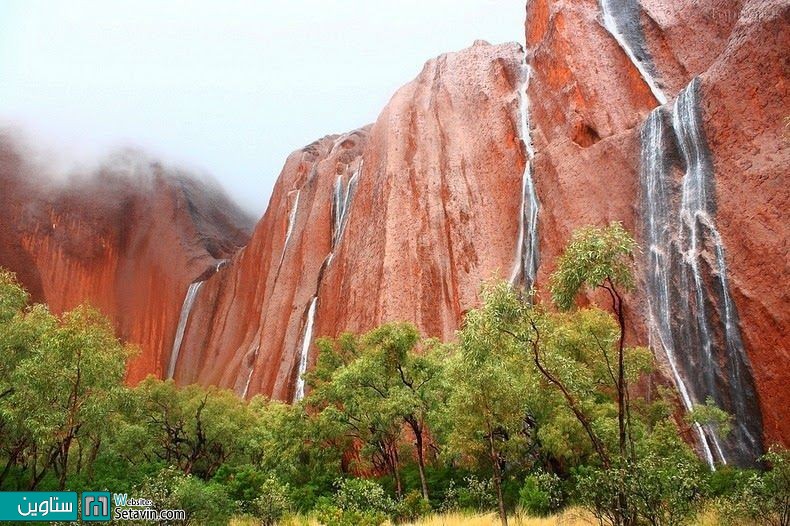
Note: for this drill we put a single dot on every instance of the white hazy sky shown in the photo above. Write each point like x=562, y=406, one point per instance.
x=224, y=87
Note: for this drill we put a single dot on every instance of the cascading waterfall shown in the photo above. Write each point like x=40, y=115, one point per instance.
x=186, y=308
x=342, y=196
x=693, y=317
x=249, y=374
x=307, y=339
x=656, y=205
x=621, y=20
x=526, y=266
x=290, y=229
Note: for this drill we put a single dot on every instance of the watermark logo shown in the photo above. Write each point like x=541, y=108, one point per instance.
x=96, y=506
x=38, y=506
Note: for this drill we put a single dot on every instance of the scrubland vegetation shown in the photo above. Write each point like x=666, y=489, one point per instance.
x=531, y=417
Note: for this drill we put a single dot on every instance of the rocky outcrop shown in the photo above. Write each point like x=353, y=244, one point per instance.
x=127, y=239
x=433, y=215
x=596, y=80
x=440, y=185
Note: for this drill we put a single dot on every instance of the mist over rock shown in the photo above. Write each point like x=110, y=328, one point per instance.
x=127, y=238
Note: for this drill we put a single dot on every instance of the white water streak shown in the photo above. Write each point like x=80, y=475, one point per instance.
x=526, y=264
x=694, y=214
x=307, y=339
x=611, y=25
x=290, y=229
x=654, y=177
x=186, y=308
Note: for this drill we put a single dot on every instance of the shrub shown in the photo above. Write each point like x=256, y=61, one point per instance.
x=206, y=503
x=357, y=502
x=412, y=507
x=272, y=503
x=478, y=495
x=363, y=495
x=764, y=498
x=541, y=495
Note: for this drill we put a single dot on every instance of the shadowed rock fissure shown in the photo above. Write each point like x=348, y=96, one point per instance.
x=693, y=319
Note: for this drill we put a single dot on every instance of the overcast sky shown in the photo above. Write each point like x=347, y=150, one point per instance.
x=224, y=87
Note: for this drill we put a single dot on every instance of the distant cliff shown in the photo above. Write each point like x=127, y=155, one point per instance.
x=128, y=238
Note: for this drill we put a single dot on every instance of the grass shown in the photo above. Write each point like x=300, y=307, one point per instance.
x=568, y=518
x=571, y=517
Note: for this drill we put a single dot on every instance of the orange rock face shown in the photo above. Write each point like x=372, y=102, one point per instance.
x=128, y=240
x=591, y=97
x=432, y=215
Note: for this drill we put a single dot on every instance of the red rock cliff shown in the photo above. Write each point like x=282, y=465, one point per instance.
x=594, y=81
x=667, y=116
x=431, y=215
x=127, y=239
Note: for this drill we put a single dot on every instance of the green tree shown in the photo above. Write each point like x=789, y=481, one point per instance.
x=374, y=385
x=487, y=408
x=195, y=428
x=61, y=377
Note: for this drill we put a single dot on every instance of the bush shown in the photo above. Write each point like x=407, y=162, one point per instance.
x=764, y=498
x=478, y=495
x=243, y=483
x=357, y=502
x=206, y=503
x=363, y=495
x=541, y=495
x=412, y=507
x=273, y=502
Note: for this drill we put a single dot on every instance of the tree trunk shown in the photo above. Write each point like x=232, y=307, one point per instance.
x=418, y=444
x=396, y=472
x=497, y=480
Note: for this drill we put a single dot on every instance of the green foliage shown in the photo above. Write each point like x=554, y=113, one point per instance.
x=594, y=257
x=530, y=407
x=357, y=502
x=477, y=494
x=370, y=388
x=197, y=429
x=412, y=507
x=60, y=379
x=712, y=416
x=273, y=502
x=764, y=497
x=206, y=503
x=541, y=495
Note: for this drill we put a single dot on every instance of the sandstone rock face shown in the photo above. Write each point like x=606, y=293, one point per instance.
x=433, y=214
x=127, y=239
x=591, y=91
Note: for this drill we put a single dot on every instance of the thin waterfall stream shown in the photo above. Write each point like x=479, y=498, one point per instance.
x=526, y=266
x=186, y=308
x=342, y=197
x=621, y=18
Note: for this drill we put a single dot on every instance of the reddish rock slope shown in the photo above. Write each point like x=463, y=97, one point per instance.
x=127, y=239
x=590, y=101
x=433, y=216
x=404, y=219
